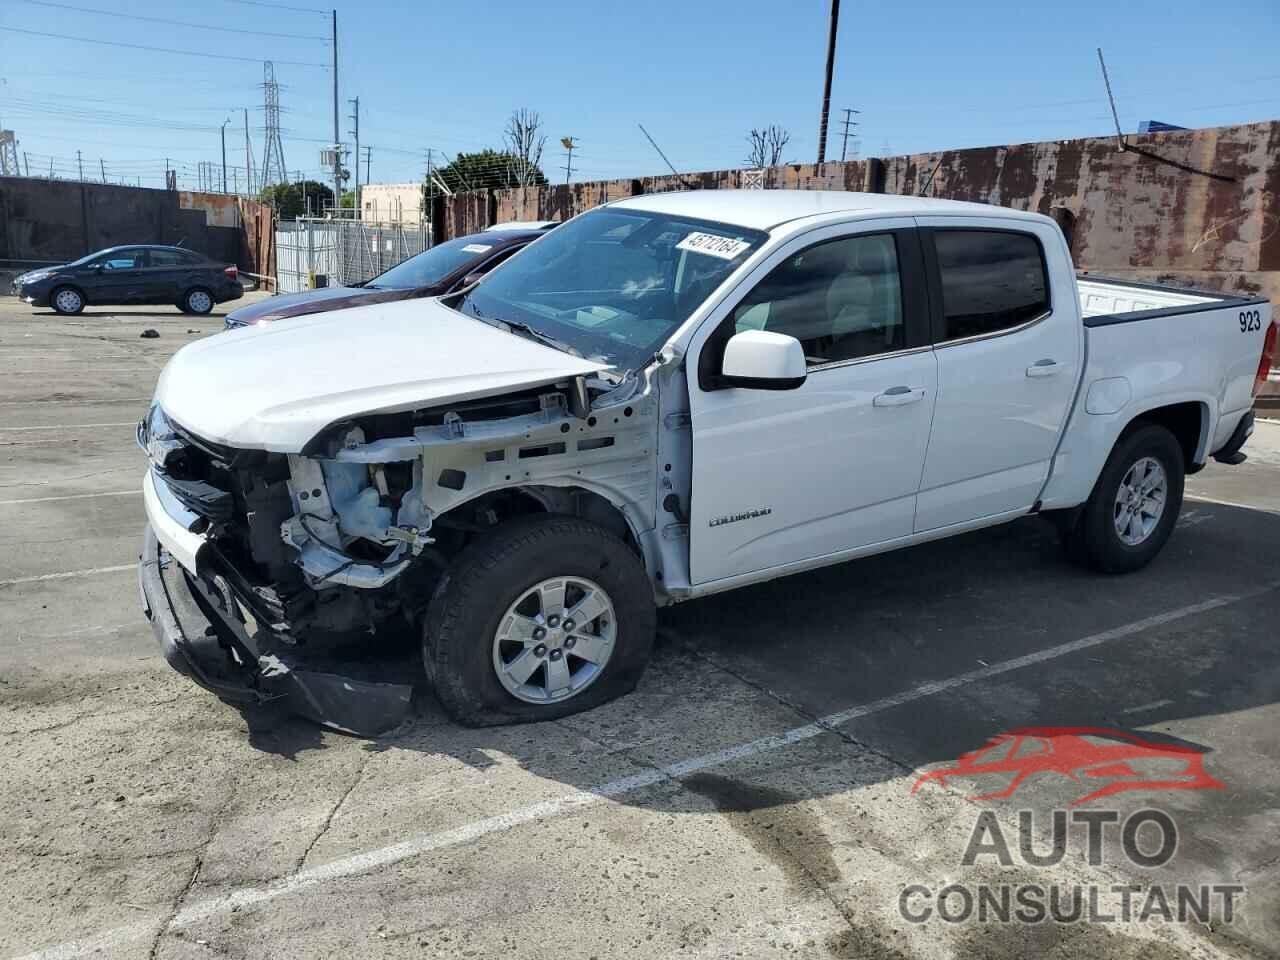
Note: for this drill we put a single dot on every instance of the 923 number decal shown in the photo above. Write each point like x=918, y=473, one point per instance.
x=1250, y=320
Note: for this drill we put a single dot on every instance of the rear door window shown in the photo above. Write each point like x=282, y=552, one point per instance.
x=991, y=280
x=173, y=258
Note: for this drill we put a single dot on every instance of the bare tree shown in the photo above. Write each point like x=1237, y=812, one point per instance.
x=524, y=142
x=766, y=146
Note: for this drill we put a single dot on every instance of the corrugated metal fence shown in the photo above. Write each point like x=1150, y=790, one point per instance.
x=342, y=251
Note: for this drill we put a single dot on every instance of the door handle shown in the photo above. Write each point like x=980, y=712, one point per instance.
x=897, y=396
x=1044, y=368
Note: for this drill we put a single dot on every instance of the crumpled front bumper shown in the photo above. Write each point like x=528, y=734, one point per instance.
x=206, y=635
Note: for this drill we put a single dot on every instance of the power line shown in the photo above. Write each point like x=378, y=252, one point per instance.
x=175, y=23
x=279, y=6
x=138, y=46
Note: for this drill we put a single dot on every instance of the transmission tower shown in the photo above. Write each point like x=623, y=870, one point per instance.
x=273, y=168
x=9, y=154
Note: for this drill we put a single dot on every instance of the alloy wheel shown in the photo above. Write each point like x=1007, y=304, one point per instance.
x=555, y=640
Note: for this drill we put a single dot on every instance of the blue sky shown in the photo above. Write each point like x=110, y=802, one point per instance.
x=697, y=74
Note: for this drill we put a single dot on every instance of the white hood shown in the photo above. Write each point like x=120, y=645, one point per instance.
x=276, y=386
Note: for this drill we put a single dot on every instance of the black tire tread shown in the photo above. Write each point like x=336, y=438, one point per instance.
x=462, y=591
x=1091, y=541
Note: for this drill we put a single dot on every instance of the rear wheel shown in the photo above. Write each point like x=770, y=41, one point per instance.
x=547, y=616
x=67, y=300
x=1134, y=505
x=197, y=301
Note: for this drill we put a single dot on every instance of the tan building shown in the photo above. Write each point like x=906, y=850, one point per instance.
x=391, y=202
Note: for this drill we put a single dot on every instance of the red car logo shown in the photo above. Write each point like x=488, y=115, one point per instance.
x=1125, y=760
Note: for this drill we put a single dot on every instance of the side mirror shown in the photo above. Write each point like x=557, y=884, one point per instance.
x=761, y=360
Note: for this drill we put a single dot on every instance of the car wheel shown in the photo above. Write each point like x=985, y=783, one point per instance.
x=546, y=617
x=67, y=300
x=197, y=300
x=1132, y=510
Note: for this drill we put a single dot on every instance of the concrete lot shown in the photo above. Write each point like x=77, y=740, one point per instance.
x=752, y=799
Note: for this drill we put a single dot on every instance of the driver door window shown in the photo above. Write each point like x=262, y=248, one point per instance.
x=121, y=261
x=841, y=299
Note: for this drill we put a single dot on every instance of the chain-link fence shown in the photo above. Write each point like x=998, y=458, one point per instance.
x=342, y=251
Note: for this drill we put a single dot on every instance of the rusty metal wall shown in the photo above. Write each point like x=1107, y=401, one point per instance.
x=1196, y=206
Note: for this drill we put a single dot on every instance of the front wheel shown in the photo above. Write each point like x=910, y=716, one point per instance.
x=544, y=617
x=1134, y=505
x=67, y=301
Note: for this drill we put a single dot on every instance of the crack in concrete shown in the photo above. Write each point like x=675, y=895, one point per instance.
x=85, y=716
x=215, y=824
x=178, y=900
x=333, y=812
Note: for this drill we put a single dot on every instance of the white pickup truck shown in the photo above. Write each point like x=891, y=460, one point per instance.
x=666, y=397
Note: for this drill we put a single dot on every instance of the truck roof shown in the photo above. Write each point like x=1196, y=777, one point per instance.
x=764, y=209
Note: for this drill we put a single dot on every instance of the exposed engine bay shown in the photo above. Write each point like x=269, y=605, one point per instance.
x=347, y=539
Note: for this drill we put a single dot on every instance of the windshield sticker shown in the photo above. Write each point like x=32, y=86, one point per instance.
x=475, y=248
x=726, y=248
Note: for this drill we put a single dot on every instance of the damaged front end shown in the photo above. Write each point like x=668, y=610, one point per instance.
x=306, y=577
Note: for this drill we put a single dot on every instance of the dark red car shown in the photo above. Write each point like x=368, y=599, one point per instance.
x=442, y=269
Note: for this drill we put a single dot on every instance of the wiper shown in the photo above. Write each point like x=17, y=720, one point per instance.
x=522, y=327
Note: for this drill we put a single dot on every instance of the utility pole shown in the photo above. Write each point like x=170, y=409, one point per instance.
x=224, y=154
x=235, y=181
x=80, y=161
x=102, y=165
x=248, y=156
x=826, y=86
x=569, y=146
x=26, y=162
x=355, y=132
x=337, y=151
x=166, y=173
x=431, y=200
x=848, y=122
x=368, y=161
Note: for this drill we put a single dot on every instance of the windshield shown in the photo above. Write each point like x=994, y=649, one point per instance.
x=614, y=283
x=432, y=266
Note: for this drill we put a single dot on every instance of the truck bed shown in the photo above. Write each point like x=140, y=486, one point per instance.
x=1105, y=300
x=1156, y=347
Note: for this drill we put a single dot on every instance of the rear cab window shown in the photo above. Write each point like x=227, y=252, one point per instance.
x=991, y=280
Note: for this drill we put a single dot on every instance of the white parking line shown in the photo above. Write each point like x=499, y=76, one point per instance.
x=68, y=574
x=1230, y=503
x=424, y=843
x=72, y=403
x=70, y=426
x=74, y=496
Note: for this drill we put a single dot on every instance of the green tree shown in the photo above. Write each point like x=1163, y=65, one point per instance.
x=497, y=169
x=294, y=199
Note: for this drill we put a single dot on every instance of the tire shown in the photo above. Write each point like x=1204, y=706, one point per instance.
x=197, y=300
x=66, y=301
x=476, y=598
x=1096, y=539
